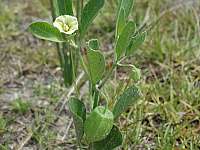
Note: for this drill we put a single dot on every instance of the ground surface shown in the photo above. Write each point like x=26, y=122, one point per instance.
x=31, y=89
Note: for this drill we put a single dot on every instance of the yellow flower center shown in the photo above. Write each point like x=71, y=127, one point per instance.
x=66, y=27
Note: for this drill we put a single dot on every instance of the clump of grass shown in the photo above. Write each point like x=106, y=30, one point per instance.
x=20, y=106
x=3, y=124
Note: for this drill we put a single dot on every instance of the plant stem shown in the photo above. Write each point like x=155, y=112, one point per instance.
x=53, y=13
x=58, y=46
x=62, y=49
x=95, y=91
x=107, y=76
x=73, y=71
x=52, y=9
x=79, y=7
x=95, y=96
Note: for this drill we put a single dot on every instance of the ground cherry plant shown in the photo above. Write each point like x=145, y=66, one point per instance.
x=96, y=129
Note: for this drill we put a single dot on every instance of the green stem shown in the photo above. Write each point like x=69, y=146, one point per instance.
x=79, y=7
x=53, y=13
x=107, y=76
x=95, y=96
x=63, y=49
x=79, y=144
x=68, y=64
x=109, y=73
x=96, y=91
x=73, y=68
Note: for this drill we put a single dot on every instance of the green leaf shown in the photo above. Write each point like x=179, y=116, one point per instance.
x=89, y=13
x=127, y=5
x=112, y=141
x=95, y=62
x=78, y=111
x=94, y=44
x=135, y=43
x=124, y=9
x=45, y=31
x=121, y=21
x=98, y=124
x=129, y=97
x=124, y=39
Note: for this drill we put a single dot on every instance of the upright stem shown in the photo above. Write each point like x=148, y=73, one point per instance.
x=95, y=96
x=52, y=9
x=79, y=43
x=79, y=7
x=60, y=53
x=95, y=93
x=63, y=52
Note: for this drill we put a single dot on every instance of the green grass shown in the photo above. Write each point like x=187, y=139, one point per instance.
x=3, y=123
x=20, y=106
x=168, y=115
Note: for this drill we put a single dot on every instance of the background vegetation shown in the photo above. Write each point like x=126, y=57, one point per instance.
x=31, y=90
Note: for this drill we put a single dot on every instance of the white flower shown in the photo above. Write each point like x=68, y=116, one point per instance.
x=66, y=24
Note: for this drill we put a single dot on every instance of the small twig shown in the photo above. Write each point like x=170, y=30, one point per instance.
x=67, y=129
x=25, y=141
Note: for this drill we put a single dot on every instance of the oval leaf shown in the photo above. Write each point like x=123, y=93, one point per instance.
x=78, y=111
x=95, y=62
x=130, y=96
x=90, y=11
x=124, y=9
x=45, y=31
x=124, y=39
x=127, y=5
x=112, y=141
x=98, y=124
x=135, y=43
